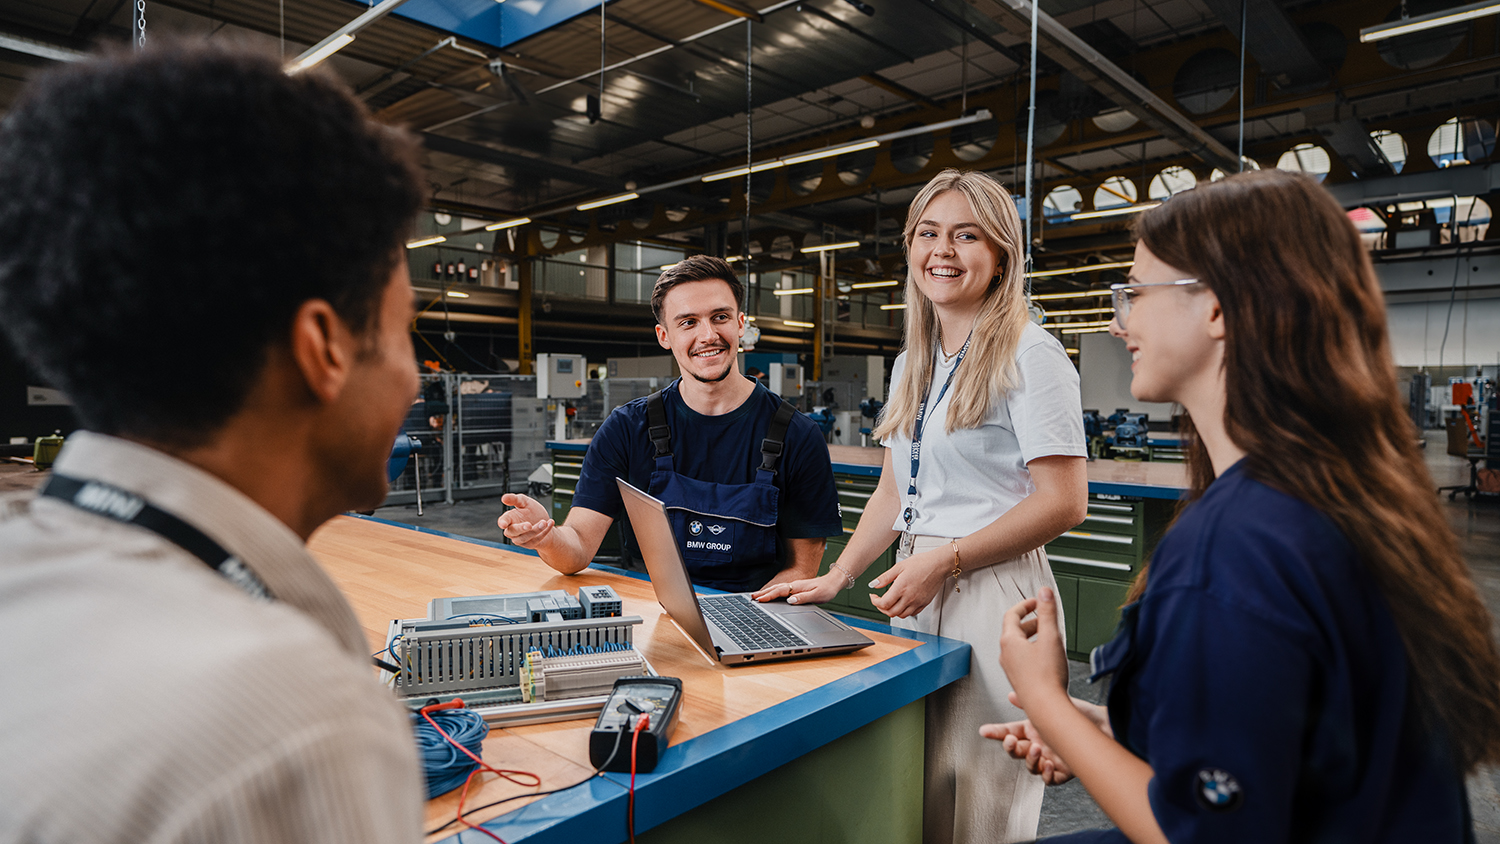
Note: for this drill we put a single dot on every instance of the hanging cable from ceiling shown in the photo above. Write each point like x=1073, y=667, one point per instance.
x=594, y=103
x=1244, y=22
x=963, y=78
x=1030, y=152
x=749, y=160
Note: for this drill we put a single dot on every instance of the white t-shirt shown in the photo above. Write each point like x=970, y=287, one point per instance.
x=971, y=477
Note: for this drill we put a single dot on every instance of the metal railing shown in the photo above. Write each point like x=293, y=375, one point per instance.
x=481, y=435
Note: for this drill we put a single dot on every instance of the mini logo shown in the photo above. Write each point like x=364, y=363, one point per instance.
x=716, y=529
x=1218, y=790
x=696, y=528
x=106, y=499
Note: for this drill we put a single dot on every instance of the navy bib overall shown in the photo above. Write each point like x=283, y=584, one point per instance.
x=726, y=532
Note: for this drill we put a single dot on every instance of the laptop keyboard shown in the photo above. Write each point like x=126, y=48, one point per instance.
x=747, y=624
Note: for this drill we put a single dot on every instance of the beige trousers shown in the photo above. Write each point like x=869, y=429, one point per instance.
x=973, y=792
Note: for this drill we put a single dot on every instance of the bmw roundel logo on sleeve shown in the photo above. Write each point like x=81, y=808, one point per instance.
x=696, y=528
x=1217, y=790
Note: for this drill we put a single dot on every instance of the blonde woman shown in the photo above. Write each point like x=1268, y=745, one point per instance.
x=984, y=464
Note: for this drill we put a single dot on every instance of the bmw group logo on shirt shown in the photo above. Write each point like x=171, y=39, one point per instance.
x=1217, y=790
x=695, y=528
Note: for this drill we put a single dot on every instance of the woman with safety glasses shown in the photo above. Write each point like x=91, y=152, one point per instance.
x=1307, y=658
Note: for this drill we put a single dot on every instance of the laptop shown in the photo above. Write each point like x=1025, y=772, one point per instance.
x=733, y=628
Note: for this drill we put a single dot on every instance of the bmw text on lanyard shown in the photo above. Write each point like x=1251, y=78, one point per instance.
x=111, y=502
x=910, y=513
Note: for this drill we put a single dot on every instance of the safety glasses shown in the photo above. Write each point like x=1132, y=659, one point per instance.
x=1121, y=295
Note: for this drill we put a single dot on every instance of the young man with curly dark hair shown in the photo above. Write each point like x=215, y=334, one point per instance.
x=205, y=253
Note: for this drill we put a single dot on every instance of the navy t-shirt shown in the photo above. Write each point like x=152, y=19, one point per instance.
x=720, y=449
x=1262, y=677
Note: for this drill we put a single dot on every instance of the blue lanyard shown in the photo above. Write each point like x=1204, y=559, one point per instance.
x=910, y=514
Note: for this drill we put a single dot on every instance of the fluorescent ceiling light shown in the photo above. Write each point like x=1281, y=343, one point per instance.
x=1428, y=21
x=1082, y=311
x=613, y=200
x=1070, y=351
x=341, y=37
x=793, y=292
x=1086, y=268
x=1115, y=212
x=869, y=285
x=665, y=267
x=831, y=152
x=796, y=324
x=426, y=241
x=320, y=52
x=1077, y=294
x=507, y=224
x=848, y=244
x=744, y=171
x=732, y=258
x=899, y=306
x=798, y=158
x=1091, y=324
x=1085, y=330
x=457, y=294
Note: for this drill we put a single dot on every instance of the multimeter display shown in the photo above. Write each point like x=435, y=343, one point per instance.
x=657, y=699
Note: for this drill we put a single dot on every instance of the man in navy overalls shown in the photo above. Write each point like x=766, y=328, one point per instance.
x=747, y=482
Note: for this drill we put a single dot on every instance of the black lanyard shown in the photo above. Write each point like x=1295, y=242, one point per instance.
x=112, y=502
x=910, y=514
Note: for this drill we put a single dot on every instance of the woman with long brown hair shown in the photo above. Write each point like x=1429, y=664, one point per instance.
x=1309, y=659
x=984, y=464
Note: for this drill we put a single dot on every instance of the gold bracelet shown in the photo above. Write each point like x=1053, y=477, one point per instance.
x=835, y=565
x=957, y=569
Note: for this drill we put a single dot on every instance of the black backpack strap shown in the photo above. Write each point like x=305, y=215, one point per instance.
x=656, y=418
x=775, y=441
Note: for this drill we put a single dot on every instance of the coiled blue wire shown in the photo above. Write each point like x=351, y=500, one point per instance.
x=443, y=766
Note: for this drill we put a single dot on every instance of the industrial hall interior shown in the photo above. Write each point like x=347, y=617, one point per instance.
x=659, y=551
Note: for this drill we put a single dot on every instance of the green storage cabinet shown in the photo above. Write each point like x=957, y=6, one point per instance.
x=854, y=489
x=1095, y=563
x=567, y=463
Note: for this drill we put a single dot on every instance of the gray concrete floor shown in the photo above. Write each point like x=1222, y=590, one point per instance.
x=1068, y=808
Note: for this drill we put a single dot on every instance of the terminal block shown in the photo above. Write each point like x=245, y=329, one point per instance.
x=600, y=602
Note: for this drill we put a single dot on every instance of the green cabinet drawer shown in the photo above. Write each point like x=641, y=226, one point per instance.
x=1067, y=598
x=854, y=494
x=1099, y=603
x=1100, y=541
x=1110, y=523
x=1090, y=562
x=859, y=594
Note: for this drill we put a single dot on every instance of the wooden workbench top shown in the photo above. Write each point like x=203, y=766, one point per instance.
x=390, y=571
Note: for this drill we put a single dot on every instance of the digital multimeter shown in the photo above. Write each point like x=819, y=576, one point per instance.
x=658, y=699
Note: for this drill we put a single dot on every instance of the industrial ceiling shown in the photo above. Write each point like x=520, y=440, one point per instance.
x=533, y=119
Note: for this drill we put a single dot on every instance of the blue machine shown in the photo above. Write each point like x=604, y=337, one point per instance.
x=1131, y=435
x=1093, y=433
x=406, y=445
x=823, y=416
x=870, y=409
x=1093, y=424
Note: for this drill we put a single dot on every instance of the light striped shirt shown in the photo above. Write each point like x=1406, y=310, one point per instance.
x=145, y=698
